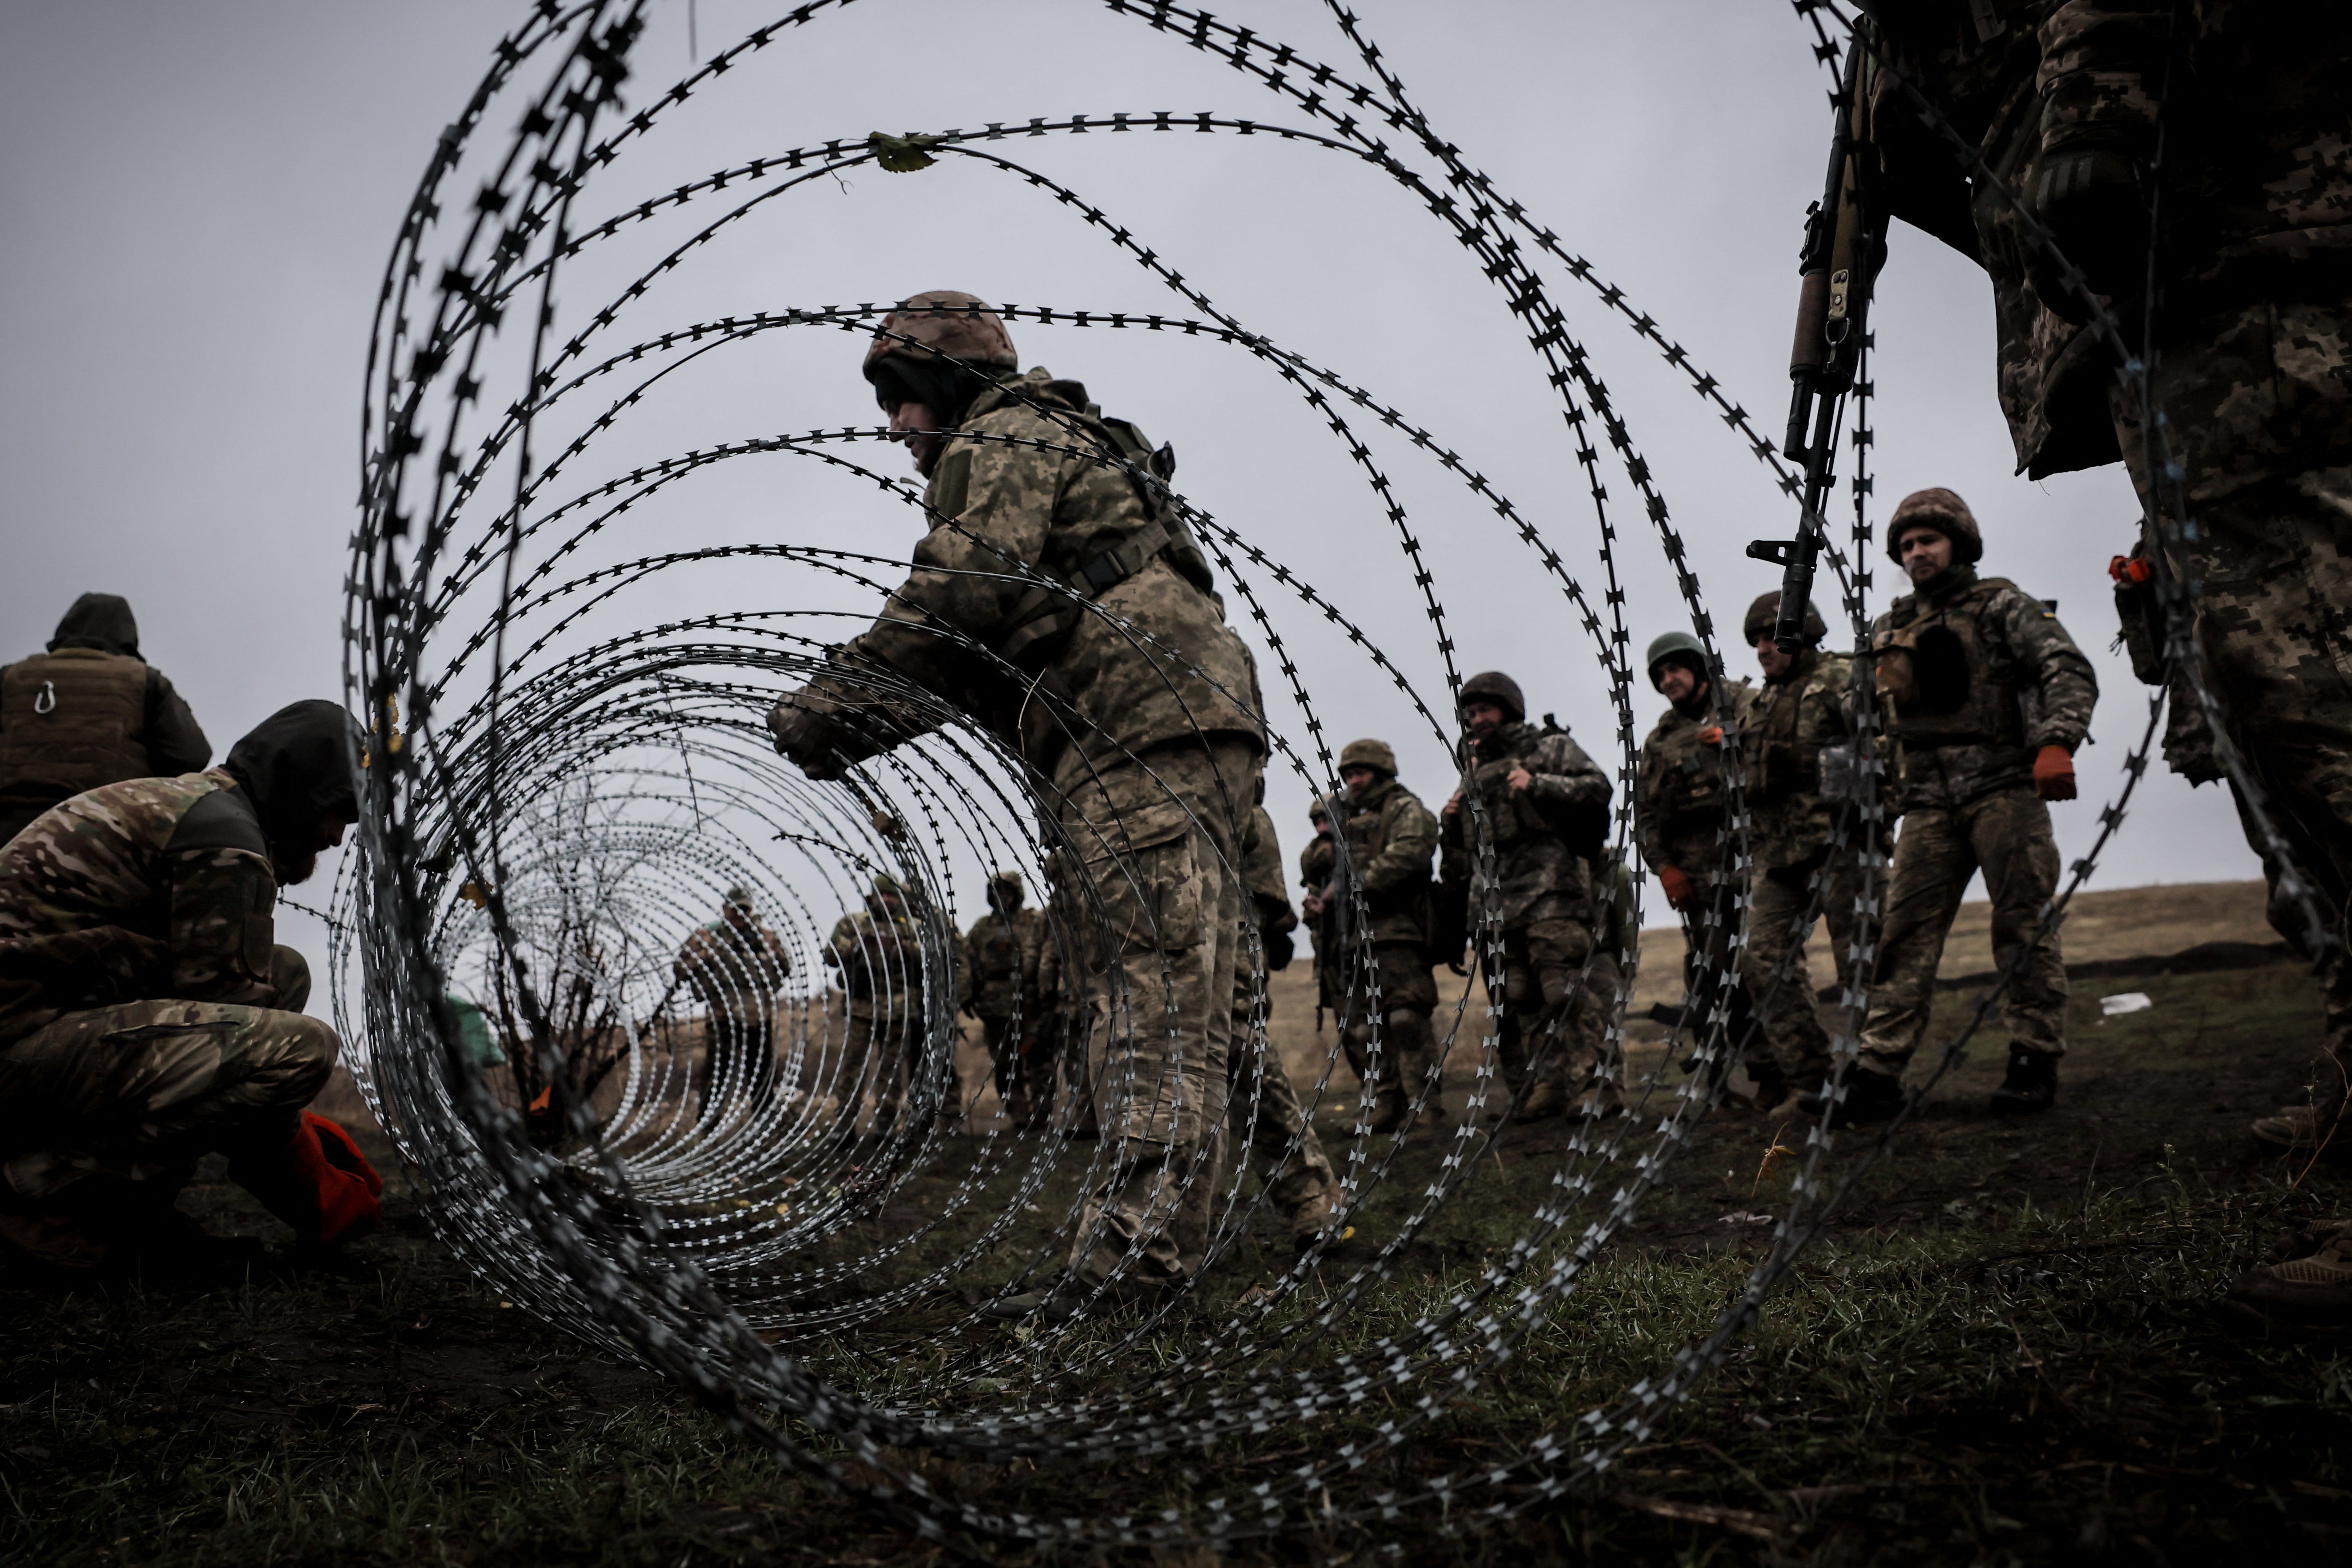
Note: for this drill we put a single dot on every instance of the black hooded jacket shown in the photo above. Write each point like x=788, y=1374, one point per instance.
x=295, y=766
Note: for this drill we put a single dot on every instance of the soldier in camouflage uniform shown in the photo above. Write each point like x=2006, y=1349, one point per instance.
x=736, y=967
x=1682, y=820
x=2253, y=336
x=1061, y=601
x=1002, y=954
x=1797, y=715
x=1546, y=805
x=1987, y=698
x=1316, y=861
x=878, y=954
x=88, y=711
x=1390, y=838
x=146, y=1015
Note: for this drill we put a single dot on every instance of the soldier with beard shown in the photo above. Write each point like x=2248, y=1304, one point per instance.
x=1796, y=718
x=1546, y=806
x=2063, y=101
x=1061, y=601
x=86, y=712
x=1390, y=838
x=1682, y=818
x=147, y=1018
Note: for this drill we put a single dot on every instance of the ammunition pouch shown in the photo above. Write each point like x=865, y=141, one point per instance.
x=1943, y=684
x=2139, y=615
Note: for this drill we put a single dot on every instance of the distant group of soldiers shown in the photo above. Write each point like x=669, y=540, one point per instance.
x=1985, y=701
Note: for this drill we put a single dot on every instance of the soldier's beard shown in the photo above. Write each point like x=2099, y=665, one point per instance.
x=292, y=866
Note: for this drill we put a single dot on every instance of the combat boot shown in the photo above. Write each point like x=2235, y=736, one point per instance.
x=2031, y=1084
x=1389, y=1110
x=1544, y=1101
x=1859, y=1095
x=2300, y=1130
x=2313, y=1286
x=1771, y=1086
x=1600, y=1101
x=1315, y=1215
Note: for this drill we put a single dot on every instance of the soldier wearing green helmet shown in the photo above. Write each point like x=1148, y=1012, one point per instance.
x=1682, y=821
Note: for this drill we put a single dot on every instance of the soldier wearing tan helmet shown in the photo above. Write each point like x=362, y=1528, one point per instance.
x=1061, y=601
x=1377, y=907
x=1546, y=808
x=1682, y=820
x=1001, y=955
x=1796, y=748
x=1987, y=698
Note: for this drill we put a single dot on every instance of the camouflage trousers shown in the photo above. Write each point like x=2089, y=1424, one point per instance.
x=1551, y=1028
x=742, y=1066
x=1714, y=973
x=110, y=1109
x=2258, y=401
x=879, y=1052
x=2006, y=834
x=1777, y=934
x=1159, y=840
x=1261, y=1113
x=1404, y=995
x=1019, y=1060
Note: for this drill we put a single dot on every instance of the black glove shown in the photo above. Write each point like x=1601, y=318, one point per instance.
x=810, y=741
x=2090, y=197
x=1280, y=949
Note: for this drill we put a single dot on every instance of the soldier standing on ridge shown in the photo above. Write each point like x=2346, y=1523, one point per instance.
x=1061, y=601
x=1001, y=955
x=1390, y=838
x=146, y=1016
x=87, y=712
x=1794, y=720
x=1546, y=807
x=1986, y=699
x=1682, y=820
x=736, y=968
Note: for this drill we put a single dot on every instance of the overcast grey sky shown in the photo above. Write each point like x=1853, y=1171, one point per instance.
x=199, y=200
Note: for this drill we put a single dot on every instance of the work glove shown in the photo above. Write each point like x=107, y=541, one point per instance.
x=2054, y=773
x=1681, y=891
x=809, y=737
x=1280, y=948
x=318, y=1182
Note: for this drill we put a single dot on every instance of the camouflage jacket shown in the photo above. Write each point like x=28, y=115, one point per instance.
x=1000, y=963
x=1262, y=873
x=879, y=959
x=1158, y=665
x=732, y=970
x=1789, y=720
x=1390, y=839
x=1542, y=833
x=136, y=891
x=2257, y=200
x=1680, y=798
x=2013, y=682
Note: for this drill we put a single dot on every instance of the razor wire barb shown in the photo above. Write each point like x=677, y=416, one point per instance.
x=584, y=769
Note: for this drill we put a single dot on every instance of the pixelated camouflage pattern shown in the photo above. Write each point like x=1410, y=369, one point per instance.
x=93, y=912
x=2006, y=834
x=878, y=958
x=732, y=971
x=1789, y=719
x=1391, y=838
x=1680, y=796
x=1262, y=873
x=1172, y=671
x=1538, y=874
x=1000, y=963
x=1794, y=1037
x=2027, y=654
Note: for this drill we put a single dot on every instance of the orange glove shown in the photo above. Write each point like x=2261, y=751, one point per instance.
x=1681, y=891
x=1711, y=736
x=2054, y=773
x=318, y=1183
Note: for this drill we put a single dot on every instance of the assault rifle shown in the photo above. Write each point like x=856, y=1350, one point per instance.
x=1844, y=243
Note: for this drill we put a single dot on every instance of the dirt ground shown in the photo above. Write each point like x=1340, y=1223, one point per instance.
x=2006, y=1350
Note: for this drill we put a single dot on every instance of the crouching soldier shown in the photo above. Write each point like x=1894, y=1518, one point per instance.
x=146, y=1016
x=1001, y=955
x=1795, y=720
x=1546, y=805
x=1380, y=968
x=1986, y=699
x=1682, y=818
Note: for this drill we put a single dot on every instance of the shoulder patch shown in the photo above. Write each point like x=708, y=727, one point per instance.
x=221, y=820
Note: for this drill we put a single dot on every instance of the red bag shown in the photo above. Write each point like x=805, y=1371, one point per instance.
x=319, y=1184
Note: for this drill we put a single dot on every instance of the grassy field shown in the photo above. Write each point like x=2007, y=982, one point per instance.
x=2007, y=1350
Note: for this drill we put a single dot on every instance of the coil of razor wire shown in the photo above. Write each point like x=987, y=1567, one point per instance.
x=632, y=998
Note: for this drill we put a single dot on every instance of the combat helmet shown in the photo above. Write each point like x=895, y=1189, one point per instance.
x=886, y=886
x=1677, y=647
x=1319, y=810
x=1006, y=890
x=948, y=322
x=1765, y=614
x=1373, y=754
x=1949, y=515
x=1495, y=687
